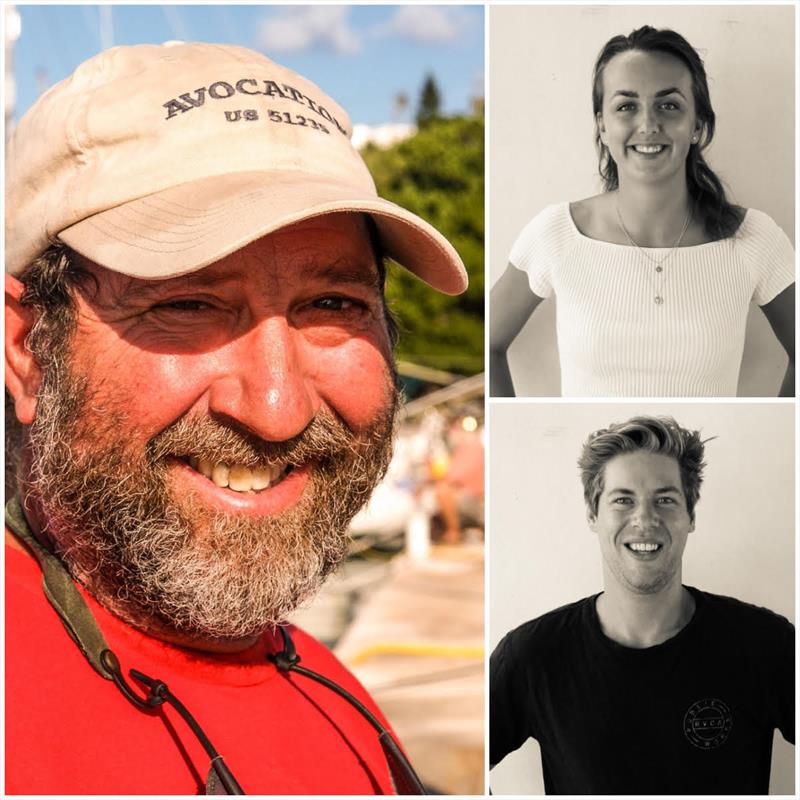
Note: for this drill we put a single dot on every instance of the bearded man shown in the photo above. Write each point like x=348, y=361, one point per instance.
x=651, y=686
x=198, y=356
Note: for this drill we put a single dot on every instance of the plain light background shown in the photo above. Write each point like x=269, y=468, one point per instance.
x=542, y=137
x=543, y=554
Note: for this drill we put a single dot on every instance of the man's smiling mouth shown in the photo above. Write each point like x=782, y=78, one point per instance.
x=239, y=478
x=643, y=547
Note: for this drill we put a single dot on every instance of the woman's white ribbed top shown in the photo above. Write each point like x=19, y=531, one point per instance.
x=615, y=340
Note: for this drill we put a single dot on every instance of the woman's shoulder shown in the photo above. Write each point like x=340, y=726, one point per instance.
x=552, y=224
x=761, y=234
x=767, y=252
x=546, y=238
x=755, y=222
x=595, y=217
x=551, y=214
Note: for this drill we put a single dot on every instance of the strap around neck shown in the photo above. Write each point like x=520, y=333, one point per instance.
x=60, y=590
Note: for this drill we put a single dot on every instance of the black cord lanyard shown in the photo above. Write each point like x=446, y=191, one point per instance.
x=83, y=629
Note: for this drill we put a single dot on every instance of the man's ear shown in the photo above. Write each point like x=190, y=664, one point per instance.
x=601, y=128
x=591, y=519
x=23, y=374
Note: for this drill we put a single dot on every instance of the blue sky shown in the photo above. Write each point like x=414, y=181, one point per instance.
x=363, y=56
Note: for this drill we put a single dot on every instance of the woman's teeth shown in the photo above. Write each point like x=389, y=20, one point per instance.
x=649, y=148
x=237, y=477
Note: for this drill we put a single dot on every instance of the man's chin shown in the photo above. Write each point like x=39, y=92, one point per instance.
x=650, y=584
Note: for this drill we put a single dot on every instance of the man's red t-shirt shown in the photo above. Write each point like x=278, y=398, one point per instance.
x=69, y=731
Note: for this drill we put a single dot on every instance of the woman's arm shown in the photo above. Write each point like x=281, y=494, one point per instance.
x=511, y=304
x=780, y=314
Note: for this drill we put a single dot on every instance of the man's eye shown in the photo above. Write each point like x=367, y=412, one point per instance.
x=183, y=305
x=666, y=501
x=336, y=303
x=669, y=106
x=626, y=107
x=622, y=501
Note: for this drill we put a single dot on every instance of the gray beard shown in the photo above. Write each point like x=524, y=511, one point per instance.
x=170, y=565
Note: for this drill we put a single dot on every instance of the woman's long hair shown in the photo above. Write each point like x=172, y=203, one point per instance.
x=720, y=218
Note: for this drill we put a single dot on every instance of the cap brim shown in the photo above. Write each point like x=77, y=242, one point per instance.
x=187, y=227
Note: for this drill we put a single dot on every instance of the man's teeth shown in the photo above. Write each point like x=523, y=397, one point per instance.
x=643, y=547
x=648, y=148
x=239, y=478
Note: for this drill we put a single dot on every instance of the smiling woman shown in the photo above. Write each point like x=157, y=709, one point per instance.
x=654, y=276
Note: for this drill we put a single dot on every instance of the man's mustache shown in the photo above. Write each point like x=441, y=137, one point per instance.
x=203, y=437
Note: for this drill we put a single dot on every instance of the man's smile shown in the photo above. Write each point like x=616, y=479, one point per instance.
x=240, y=478
x=232, y=489
x=643, y=550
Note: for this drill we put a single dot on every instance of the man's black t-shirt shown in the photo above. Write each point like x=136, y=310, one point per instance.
x=693, y=715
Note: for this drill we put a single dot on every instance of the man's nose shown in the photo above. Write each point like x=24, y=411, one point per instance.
x=267, y=384
x=645, y=516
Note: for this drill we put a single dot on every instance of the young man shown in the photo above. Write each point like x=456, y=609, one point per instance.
x=199, y=359
x=650, y=687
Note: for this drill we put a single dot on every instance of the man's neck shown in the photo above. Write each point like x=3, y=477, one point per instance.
x=644, y=620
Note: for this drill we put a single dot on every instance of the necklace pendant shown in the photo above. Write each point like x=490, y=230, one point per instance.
x=659, y=268
x=658, y=299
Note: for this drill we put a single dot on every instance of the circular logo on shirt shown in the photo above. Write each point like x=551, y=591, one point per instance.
x=708, y=723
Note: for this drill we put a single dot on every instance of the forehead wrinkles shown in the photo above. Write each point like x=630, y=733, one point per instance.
x=272, y=263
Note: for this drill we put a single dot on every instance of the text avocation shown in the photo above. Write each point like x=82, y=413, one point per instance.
x=220, y=90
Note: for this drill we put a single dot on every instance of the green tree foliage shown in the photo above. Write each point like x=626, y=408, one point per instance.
x=438, y=174
x=429, y=102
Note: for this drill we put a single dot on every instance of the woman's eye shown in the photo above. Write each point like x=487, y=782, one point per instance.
x=669, y=106
x=622, y=501
x=666, y=501
x=626, y=107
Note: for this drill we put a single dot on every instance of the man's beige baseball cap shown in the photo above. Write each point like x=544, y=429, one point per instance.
x=157, y=160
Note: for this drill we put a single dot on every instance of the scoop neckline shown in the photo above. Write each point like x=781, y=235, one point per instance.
x=576, y=230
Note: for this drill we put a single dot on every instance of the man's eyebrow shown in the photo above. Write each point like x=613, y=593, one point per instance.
x=137, y=289
x=348, y=275
x=659, y=490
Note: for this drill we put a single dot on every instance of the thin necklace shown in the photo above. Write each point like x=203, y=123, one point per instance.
x=659, y=263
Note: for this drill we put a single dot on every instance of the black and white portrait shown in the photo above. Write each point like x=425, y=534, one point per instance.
x=642, y=201
x=642, y=590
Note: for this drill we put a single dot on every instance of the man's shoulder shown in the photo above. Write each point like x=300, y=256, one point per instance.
x=746, y=619
x=557, y=625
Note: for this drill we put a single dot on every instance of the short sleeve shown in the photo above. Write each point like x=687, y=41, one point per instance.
x=782, y=686
x=508, y=692
x=769, y=255
x=539, y=248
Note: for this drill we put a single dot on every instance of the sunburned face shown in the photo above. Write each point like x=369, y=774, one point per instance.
x=642, y=521
x=205, y=447
x=648, y=116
